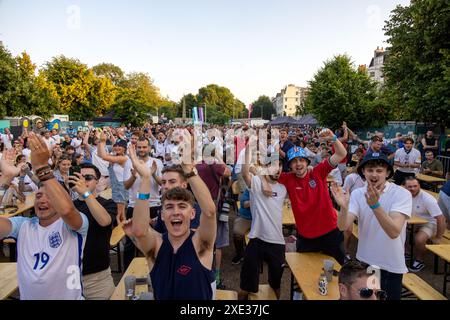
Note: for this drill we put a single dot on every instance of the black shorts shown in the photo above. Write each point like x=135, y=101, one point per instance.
x=330, y=243
x=256, y=252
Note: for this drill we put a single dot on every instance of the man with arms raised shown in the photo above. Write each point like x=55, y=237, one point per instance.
x=50, y=245
x=180, y=260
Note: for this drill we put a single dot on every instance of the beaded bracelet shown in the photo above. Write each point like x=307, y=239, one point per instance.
x=376, y=205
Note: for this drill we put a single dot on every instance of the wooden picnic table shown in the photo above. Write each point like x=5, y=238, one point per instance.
x=306, y=268
x=139, y=268
x=8, y=279
x=442, y=251
x=288, y=216
x=434, y=194
x=429, y=179
x=22, y=206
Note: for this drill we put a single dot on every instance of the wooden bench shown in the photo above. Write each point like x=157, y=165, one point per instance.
x=114, y=243
x=265, y=292
x=421, y=289
x=226, y=295
x=447, y=234
x=12, y=248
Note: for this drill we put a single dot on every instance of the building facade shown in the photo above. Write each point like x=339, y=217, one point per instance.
x=375, y=69
x=289, y=100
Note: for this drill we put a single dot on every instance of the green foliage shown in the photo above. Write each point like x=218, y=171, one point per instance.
x=263, y=106
x=21, y=91
x=220, y=99
x=417, y=70
x=339, y=93
x=110, y=71
x=82, y=95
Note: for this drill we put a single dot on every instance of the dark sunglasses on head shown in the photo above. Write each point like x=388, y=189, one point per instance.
x=89, y=177
x=366, y=293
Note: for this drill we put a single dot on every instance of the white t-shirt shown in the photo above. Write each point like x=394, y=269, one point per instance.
x=57, y=138
x=50, y=143
x=49, y=259
x=101, y=164
x=7, y=140
x=27, y=153
x=160, y=148
x=76, y=143
x=375, y=247
x=336, y=175
x=425, y=206
x=172, y=150
x=267, y=212
x=413, y=157
x=353, y=181
x=155, y=198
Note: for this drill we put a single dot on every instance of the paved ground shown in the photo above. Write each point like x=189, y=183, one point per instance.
x=231, y=273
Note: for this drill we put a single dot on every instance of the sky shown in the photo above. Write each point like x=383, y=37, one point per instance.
x=253, y=47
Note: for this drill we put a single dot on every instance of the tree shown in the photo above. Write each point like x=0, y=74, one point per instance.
x=417, y=70
x=219, y=99
x=9, y=79
x=82, y=95
x=21, y=92
x=339, y=93
x=110, y=71
x=137, y=98
x=263, y=107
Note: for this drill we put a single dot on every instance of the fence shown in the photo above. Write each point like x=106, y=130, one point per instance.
x=445, y=163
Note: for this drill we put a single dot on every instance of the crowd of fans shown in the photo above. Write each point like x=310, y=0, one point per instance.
x=176, y=212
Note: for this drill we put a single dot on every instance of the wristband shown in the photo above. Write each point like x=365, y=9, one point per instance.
x=86, y=195
x=376, y=205
x=334, y=138
x=143, y=196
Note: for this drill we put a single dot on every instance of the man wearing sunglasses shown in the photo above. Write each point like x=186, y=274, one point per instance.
x=96, y=273
x=357, y=281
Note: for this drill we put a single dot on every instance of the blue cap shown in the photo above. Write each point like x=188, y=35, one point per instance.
x=296, y=152
x=375, y=156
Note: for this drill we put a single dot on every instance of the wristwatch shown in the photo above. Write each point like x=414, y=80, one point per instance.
x=191, y=174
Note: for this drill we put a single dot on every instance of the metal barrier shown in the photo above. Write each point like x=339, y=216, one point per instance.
x=445, y=163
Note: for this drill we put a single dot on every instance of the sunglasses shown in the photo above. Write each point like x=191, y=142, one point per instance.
x=366, y=293
x=89, y=177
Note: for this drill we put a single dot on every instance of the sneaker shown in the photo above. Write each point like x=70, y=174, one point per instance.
x=237, y=259
x=417, y=266
x=407, y=256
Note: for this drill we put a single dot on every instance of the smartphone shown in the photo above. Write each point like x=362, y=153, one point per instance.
x=72, y=171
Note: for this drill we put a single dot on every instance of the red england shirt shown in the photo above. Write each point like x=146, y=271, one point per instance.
x=310, y=201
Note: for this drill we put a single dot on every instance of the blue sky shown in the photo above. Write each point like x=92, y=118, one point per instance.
x=252, y=47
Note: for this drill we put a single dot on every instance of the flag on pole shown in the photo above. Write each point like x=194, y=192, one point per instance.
x=250, y=108
x=195, y=114
x=200, y=114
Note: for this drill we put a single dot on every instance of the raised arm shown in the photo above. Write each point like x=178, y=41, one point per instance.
x=59, y=197
x=246, y=167
x=205, y=235
x=101, y=150
x=146, y=239
x=339, y=150
x=391, y=222
x=345, y=220
x=97, y=210
x=9, y=171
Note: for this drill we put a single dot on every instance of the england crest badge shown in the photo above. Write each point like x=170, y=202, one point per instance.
x=55, y=239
